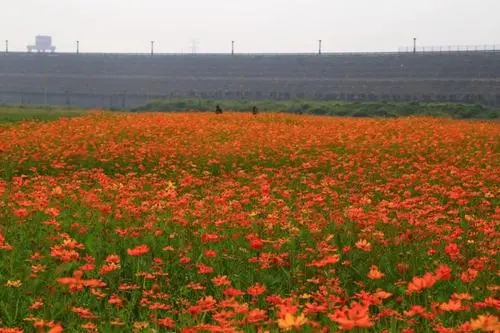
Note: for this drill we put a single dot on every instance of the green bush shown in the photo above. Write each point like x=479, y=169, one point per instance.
x=342, y=109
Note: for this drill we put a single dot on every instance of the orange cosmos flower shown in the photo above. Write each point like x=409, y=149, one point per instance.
x=443, y=272
x=11, y=330
x=486, y=323
x=117, y=322
x=138, y=250
x=207, y=303
x=255, y=316
x=290, y=322
x=364, y=245
x=57, y=328
x=452, y=305
x=453, y=251
x=210, y=253
x=166, y=322
x=469, y=275
x=233, y=292
x=375, y=274
x=204, y=269
x=356, y=316
x=91, y=327
x=4, y=245
x=462, y=296
x=76, y=283
x=220, y=281
x=84, y=313
x=420, y=283
x=381, y=294
x=37, y=304
x=329, y=260
x=256, y=289
x=116, y=301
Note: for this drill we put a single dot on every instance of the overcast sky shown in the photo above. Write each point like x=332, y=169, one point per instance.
x=255, y=25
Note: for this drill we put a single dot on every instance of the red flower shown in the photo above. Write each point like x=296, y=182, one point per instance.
x=420, y=283
x=256, y=290
x=138, y=250
x=355, y=316
x=453, y=251
x=166, y=322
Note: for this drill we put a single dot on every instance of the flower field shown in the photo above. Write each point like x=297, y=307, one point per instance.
x=233, y=223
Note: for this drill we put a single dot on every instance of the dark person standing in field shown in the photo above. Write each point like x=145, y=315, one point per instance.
x=218, y=110
x=255, y=111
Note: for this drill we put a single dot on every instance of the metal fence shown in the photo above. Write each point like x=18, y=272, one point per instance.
x=450, y=48
x=404, y=49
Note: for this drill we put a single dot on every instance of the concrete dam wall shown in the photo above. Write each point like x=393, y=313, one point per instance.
x=126, y=81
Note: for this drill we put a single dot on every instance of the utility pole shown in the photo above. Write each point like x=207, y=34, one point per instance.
x=77, y=47
x=7, y=46
x=414, y=45
x=319, y=50
x=232, y=47
x=194, y=46
x=152, y=47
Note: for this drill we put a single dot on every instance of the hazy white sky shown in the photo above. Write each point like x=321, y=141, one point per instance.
x=255, y=25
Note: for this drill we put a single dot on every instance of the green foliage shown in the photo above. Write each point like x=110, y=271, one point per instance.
x=12, y=114
x=341, y=109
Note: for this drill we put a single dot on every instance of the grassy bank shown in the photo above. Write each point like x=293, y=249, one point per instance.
x=12, y=114
x=347, y=109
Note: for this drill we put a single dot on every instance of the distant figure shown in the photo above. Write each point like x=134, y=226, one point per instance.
x=218, y=110
x=255, y=111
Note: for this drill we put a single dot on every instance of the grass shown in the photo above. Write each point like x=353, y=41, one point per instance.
x=12, y=114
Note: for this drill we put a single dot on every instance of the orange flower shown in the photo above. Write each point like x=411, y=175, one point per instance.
x=37, y=304
x=57, y=328
x=381, y=294
x=138, y=250
x=116, y=301
x=220, y=281
x=364, y=245
x=166, y=322
x=452, y=305
x=443, y=272
x=117, y=322
x=11, y=330
x=91, y=327
x=207, y=304
x=420, y=283
x=204, y=269
x=76, y=283
x=356, y=316
x=486, y=323
x=462, y=296
x=329, y=260
x=233, y=292
x=256, y=289
x=469, y=275
x=375, y=274
x=256, y=316
x=84, y=313
x=4, y=245
x=290, y=322
x=210, y=253
x=453, y=251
